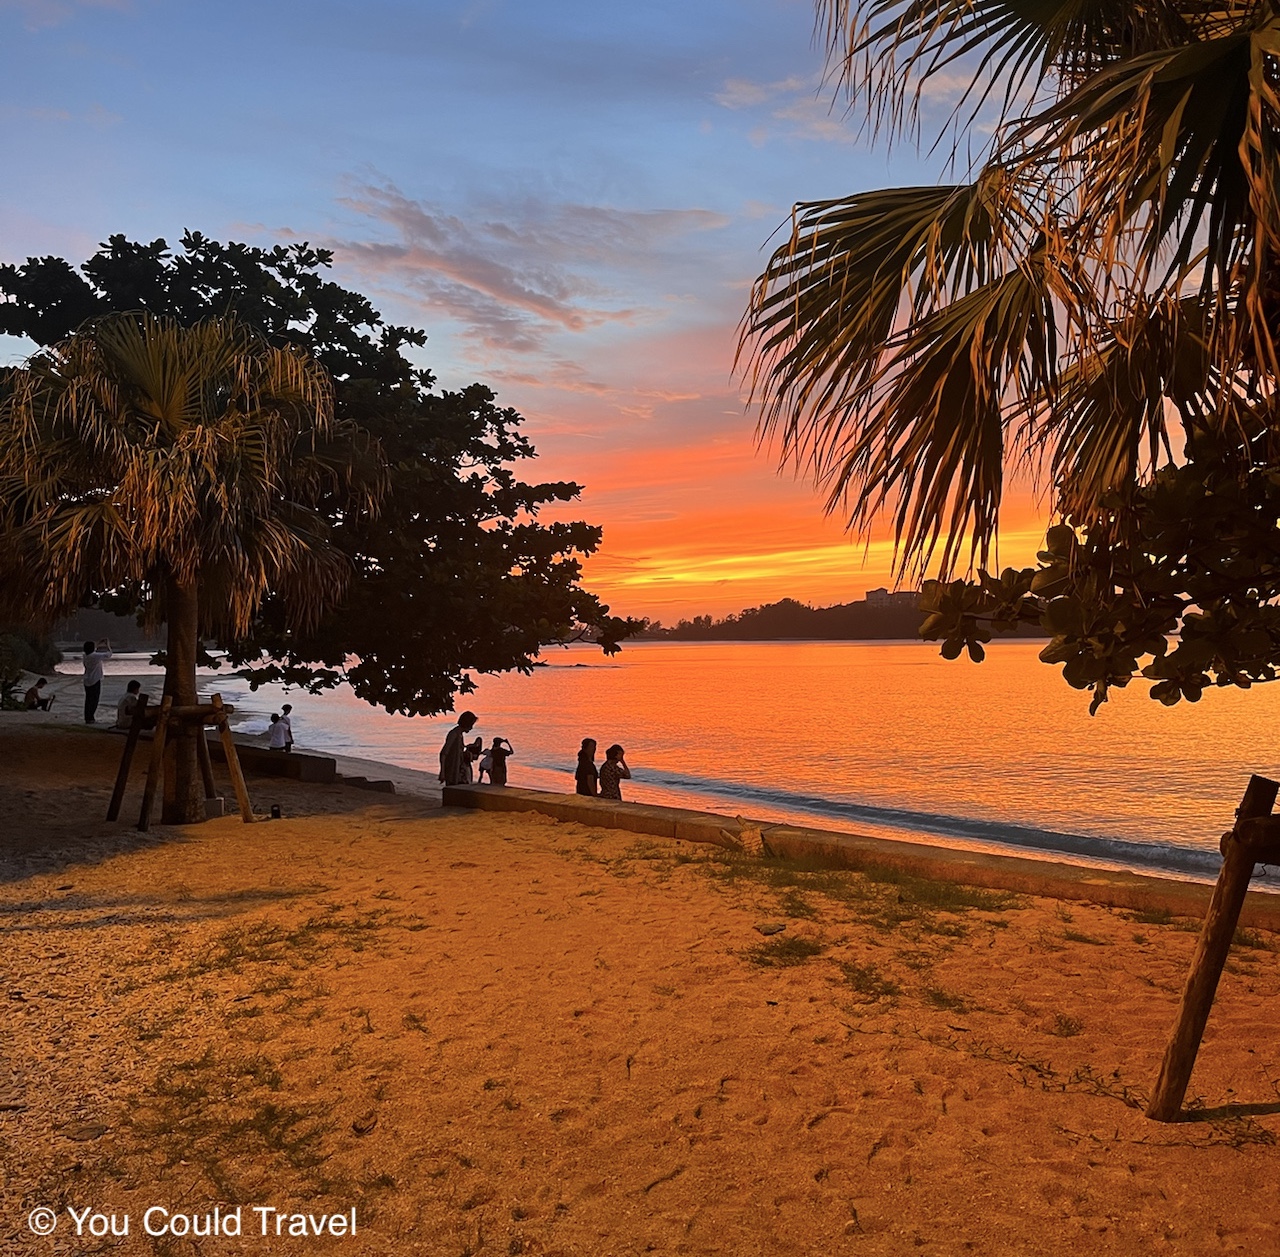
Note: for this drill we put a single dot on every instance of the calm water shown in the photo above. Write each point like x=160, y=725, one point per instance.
x=871, y=737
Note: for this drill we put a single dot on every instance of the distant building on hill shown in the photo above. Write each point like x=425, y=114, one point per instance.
x=886, y=598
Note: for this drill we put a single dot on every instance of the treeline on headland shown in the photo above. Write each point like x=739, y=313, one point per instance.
x=881, y=616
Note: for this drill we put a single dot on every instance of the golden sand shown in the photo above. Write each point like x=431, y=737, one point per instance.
x=497, y=1033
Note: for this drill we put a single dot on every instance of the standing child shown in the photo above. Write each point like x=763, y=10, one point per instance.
x=286, y=719
x=612, y=771
x=497, y=756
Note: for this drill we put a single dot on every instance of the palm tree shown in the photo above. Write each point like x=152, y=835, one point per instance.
x=181, y=466
x=1097, y=298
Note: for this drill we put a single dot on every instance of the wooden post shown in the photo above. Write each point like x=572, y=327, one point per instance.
x=157, y=758
x=1211, y=955
x=233, y=760
x=126, y=757
x=206, y=764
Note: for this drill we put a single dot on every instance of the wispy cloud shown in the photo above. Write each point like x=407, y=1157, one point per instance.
x=38, y=14
x=745, y=94
x=95, y=116
x=513, y=275
x=800, y=104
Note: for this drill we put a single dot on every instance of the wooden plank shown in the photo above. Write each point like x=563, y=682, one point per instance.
x=233, y=763
x=154, y=767
x=206, y=764
x=126, y=757
x=207, y=713
x=1210, y=956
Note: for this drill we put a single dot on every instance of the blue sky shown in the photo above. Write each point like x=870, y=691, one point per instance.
x=571, y=198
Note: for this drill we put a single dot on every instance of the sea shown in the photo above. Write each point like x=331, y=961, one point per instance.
x=881, y=738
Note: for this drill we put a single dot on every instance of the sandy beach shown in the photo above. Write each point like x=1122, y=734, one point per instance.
x=500, y=1033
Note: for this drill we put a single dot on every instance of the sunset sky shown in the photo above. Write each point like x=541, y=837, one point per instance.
x=572, y=198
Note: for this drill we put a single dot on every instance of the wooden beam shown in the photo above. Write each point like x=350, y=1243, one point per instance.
x=126, y=757
x=206, y=713
x=233, y=762
x=154, y=767
x=1211, y=953
x=206, y=764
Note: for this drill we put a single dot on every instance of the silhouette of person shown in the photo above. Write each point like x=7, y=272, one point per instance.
x=612, y=771
x=497, y=756
x=35, y=699
x=454, y=750
x=586, y=778
x=93, y=661
x=471, y=752
x=127, y=705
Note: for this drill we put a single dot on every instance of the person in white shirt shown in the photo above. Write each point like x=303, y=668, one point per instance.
x=93, y=661
x=278, y=733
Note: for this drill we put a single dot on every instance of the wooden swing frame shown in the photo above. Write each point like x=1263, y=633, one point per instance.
x=168, y=716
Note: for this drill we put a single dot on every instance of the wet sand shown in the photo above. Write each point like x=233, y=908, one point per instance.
x=493, y=1032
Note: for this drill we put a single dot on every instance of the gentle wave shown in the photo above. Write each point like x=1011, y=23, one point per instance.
x=1168, y=857
x=879, y=738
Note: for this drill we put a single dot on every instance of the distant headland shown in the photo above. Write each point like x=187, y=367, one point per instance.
x=881, y=615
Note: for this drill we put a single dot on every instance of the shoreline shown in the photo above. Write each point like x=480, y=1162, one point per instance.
x=1142, y=892
x=918, y=830
x=566, y=1038
x=1008, y=866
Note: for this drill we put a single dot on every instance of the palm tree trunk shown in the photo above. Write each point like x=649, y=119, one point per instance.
x=183, y=787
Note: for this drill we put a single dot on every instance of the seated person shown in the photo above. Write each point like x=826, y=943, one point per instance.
x=35, y=699
x=127, y=705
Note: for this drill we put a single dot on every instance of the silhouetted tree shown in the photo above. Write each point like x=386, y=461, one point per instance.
x=456, y=573
x=1099, y=299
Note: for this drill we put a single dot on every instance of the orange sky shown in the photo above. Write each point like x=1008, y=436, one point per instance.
x=582, y=234
x=697, y=519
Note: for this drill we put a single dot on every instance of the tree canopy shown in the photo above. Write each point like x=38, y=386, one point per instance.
x=181, y=468
x=456, y=573
x=1097, y=302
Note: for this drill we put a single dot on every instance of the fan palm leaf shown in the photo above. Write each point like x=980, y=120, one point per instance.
x=1110, y=266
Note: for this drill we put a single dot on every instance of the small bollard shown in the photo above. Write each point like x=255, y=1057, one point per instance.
x=275, y=812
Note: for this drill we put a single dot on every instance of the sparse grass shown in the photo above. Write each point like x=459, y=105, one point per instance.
x=1075, y=936
x=949, y=1002
x=1152, y=916
x=794, y=904
x=1250, y=938
x=942, y=895
x=869, y=981
x=219, y=1111
x=300, y=945
x=916, y=960
x=1066, y=1027
x=881, y=898
x=783, y=951
x=244, y=1012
